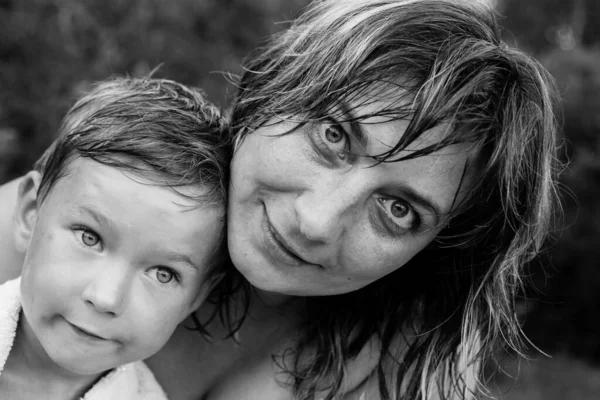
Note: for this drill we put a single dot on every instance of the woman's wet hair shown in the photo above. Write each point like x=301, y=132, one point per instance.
x=435, y=62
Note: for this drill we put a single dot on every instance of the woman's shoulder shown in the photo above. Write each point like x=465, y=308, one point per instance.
x=11, y=260
x=189, y=366
x=262, y=376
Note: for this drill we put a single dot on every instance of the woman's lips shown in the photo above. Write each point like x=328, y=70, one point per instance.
x=277, y=248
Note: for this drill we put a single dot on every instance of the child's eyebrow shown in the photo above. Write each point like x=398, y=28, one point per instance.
x=183, y=258
x=96, y=215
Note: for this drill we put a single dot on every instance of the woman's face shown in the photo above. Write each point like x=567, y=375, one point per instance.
x=307, y=218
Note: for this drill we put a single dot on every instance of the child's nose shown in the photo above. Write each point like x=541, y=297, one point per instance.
x=106, y=291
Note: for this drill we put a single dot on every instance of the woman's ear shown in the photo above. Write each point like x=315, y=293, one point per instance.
x=27, y=209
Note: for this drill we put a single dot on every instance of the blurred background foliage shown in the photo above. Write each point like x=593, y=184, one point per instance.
x=52, y=50
x=565, y=37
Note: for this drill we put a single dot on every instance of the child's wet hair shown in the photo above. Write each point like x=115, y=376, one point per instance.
x=157, y=129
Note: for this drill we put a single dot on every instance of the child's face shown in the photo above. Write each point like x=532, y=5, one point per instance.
x=114, y=264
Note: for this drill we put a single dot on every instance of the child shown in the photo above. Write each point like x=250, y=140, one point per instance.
x=122, y=223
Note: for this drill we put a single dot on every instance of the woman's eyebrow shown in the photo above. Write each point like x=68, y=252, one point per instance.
x=363, y=139
x=355, y=126
x=424, y=201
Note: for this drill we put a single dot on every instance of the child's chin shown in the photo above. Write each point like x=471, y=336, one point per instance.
x=85, y=367
x=88, y=369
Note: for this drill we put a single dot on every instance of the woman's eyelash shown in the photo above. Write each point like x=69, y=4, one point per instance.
x=322, y=143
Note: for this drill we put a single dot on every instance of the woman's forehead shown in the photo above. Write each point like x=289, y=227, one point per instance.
x=382, y=120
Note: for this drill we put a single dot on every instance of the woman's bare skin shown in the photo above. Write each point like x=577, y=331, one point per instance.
x=189, y=367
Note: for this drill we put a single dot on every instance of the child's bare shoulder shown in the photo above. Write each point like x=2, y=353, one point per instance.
x=10, y=259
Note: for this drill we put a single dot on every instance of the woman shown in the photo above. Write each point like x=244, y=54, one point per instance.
x=394, y=169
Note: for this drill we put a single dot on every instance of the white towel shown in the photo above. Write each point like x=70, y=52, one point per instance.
x=128, y=382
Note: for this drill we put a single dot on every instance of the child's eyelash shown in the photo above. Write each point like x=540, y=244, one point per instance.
x=80, y=230
x=176, y=275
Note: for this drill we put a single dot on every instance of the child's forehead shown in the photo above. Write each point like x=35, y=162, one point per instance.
x=130, y=196
x=134, y=213
x=86, y=174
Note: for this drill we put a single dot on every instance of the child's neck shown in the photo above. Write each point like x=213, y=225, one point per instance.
x=30, y=373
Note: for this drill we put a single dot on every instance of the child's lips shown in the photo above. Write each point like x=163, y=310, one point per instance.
x=89, y=334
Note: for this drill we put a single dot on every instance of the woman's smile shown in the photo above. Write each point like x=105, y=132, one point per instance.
x=279, y=248
x=296, y=203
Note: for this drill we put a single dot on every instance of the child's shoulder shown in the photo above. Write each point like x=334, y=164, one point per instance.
x=10, y=298
x=11, y=260
x=10, y=306
x=132, y=381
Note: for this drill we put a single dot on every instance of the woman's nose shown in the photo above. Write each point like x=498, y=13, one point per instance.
x=106, y=290
x=324, y=214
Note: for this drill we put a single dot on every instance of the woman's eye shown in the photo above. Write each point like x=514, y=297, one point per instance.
x=332, y=141
x=398, y=214
x=164, y=275
x=334, y=134
x=399, y=209
x=89, y=238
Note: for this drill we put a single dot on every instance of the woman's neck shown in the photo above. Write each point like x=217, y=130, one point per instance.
x=274, y=300
x=258, y=310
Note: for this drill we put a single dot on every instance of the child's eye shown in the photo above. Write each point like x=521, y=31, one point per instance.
x=88, y=237
x=164, y=275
